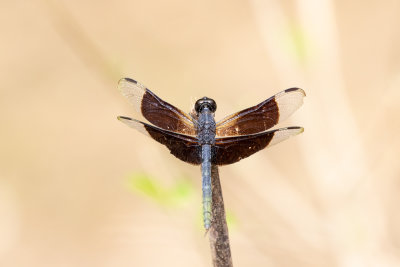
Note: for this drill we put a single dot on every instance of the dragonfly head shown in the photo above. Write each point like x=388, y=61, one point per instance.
x=205, y=102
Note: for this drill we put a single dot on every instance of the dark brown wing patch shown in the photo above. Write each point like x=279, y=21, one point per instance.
x=262, y=116
x=156, y=110
x=184, y=147
x=228, y=150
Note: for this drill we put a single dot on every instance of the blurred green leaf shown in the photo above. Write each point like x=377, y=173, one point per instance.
x=175, y=196
x=182, y=191
x=296, y=42
x=231, y=219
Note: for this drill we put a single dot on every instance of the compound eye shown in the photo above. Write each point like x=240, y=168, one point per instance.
x=198, y=105
x=212, y=105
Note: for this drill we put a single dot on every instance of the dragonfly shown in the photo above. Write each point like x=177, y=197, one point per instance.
x=197, y=139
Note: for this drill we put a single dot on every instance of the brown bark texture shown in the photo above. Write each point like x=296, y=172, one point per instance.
x=218, y=233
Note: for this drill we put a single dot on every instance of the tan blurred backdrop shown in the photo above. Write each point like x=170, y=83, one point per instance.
x=79, y=188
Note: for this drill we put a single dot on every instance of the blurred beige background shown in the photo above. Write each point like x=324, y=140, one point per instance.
x=79, y=188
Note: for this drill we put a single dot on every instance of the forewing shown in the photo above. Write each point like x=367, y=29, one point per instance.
x=154, y=109
x=184, y=147
x=228, y=150
x=263, y=116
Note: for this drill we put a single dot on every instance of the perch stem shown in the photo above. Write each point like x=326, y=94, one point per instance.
x=218, y=233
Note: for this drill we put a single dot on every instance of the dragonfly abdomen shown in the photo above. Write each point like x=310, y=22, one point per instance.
x=206, y=184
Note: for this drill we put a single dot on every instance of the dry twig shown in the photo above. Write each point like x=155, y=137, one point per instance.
x=219, y=236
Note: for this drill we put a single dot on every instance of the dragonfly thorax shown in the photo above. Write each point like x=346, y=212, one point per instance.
x=206, y=126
